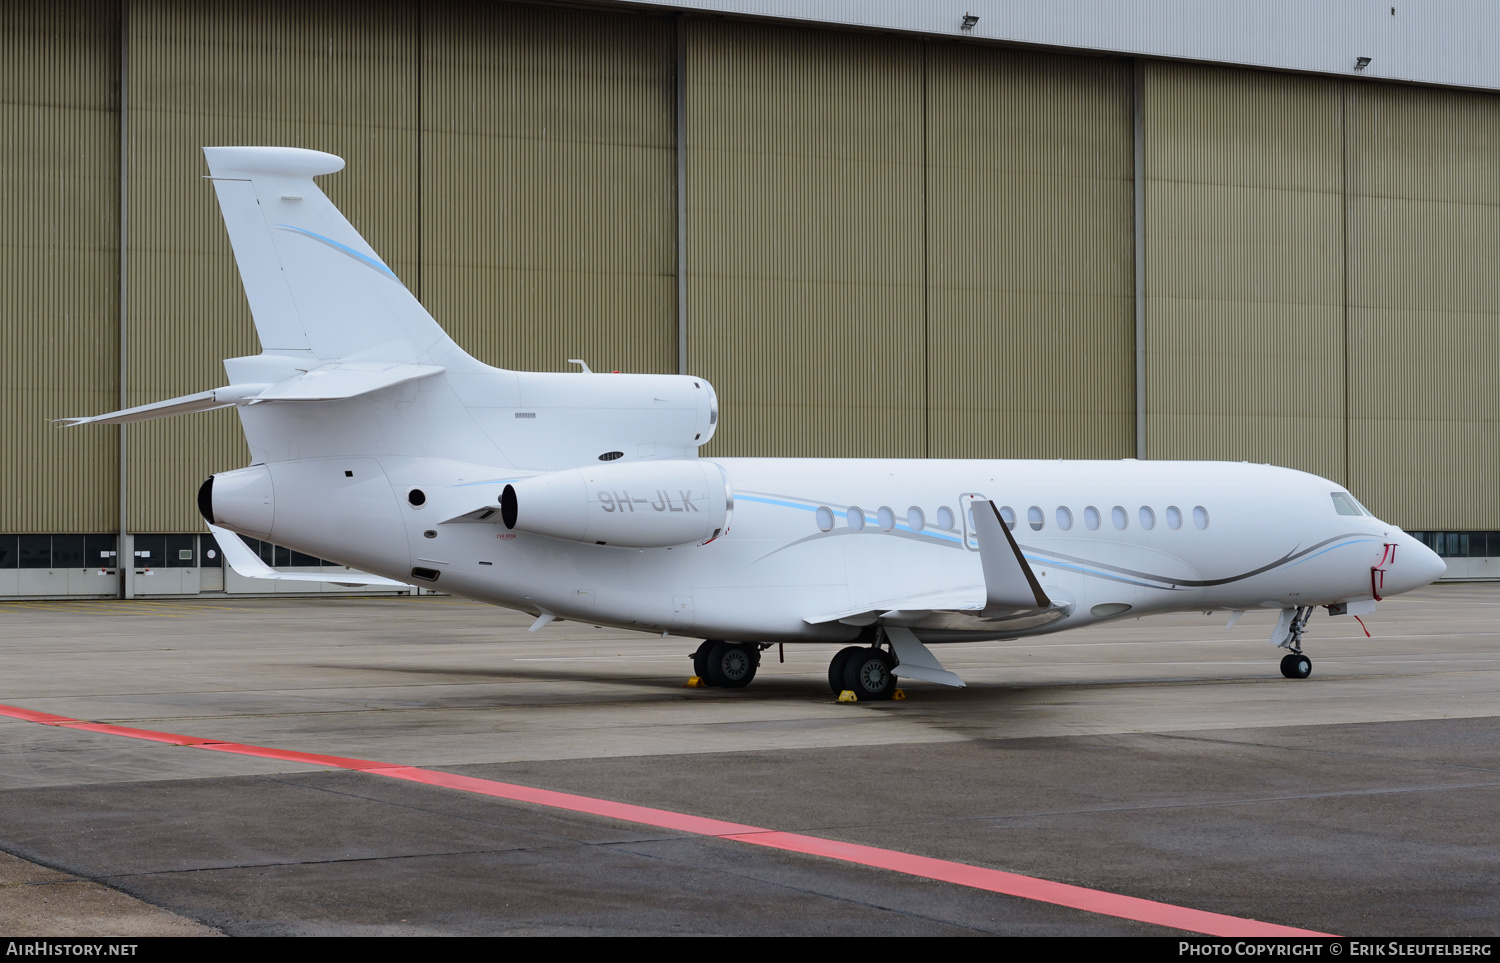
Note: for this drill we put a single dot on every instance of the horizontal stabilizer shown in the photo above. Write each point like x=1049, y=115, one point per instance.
x=185, y=405
x=328, y=382
x=1009, y=582
x=915, y=661
x=249, y=565
x=346, y=379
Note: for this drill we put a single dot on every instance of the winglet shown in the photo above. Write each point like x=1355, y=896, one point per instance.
x=1009, y=582
x=249, y=565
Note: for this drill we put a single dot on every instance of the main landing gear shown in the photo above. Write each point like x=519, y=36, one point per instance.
x=867, y=671
x=1296, y=665
x=726, y=665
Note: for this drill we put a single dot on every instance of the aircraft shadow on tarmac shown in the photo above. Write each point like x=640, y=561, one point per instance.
x=977, y=696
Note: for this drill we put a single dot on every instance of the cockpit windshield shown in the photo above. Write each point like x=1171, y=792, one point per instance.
x=1344, y=504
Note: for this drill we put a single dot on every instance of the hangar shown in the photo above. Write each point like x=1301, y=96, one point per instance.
x=1253, y=231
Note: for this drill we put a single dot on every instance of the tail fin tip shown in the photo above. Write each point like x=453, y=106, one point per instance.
x=277, y=161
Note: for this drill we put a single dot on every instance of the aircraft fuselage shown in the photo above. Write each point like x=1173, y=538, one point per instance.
x=812, y=544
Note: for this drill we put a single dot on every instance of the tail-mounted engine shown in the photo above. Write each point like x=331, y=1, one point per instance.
x=648, y=504
x=242, y=500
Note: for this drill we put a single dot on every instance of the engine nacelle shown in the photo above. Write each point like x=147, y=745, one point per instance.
x=568, y=419
x=242, y=500
x=648, y=504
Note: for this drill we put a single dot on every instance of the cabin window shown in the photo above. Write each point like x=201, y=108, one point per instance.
x=1344, y=505
x=915, y=520
x=1091, y=518
x=1119, y=517
x=1200, y=517
x=886, y=518
x=825, y=519
x=1148, y=518
x=1064, y=519
x=1009, y=515
x=945, y=518
x=856, y=517
x=1174, y=517
x=1035, y=518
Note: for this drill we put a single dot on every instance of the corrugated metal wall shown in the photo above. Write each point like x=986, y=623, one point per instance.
x=1424, y=237
x=1244, y=284
x=548, y=187
x=893, y=246
x=59, y=257
x=1030, y=277
x=301, y=74
x=804, y=238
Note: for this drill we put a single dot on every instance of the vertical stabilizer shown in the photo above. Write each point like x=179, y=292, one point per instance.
x=313, y=283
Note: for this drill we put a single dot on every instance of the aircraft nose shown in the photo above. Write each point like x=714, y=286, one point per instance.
x=1416, y=566
x=1432, y=566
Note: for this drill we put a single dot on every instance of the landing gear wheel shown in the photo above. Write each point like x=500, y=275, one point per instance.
x=871, y=674
x=836, y=667
x=700, y=658
x=731, y=666
x=1296, y=666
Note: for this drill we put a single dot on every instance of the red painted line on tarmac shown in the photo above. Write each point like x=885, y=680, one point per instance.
x=286, y=755
x=1027, y=887
x=925, y=867
x=147, y=734
x=661, y=818
x=26, y=715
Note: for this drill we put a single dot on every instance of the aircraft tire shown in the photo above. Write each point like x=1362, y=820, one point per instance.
x=730, y=665
x=700, y=658
x=836, y=667
x=1296, y=666
x=871, y=674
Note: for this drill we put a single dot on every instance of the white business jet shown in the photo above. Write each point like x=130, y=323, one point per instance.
x=376, y=442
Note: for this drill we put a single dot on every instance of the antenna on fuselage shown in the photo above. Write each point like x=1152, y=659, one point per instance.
x=582, y=364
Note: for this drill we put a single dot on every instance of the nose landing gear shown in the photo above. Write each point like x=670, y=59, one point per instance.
x=1288, y=636
x=1296, y=666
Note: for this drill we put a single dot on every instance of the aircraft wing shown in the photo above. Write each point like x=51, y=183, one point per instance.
x=1010, y=587
x=250, y=565
x=913, y=607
